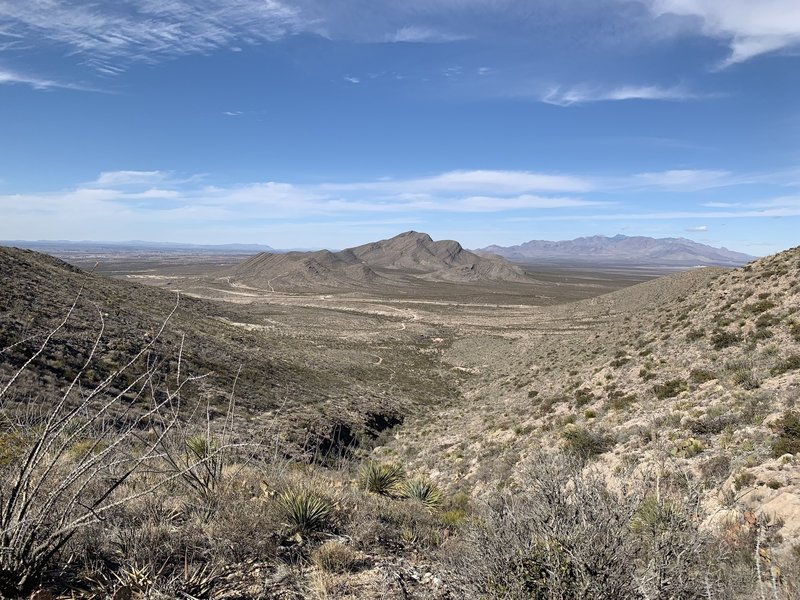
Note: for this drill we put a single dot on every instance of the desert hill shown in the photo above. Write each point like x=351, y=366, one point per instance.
x=622, y=249
x=410, y=256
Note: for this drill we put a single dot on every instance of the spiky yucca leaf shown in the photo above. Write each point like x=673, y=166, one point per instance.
x=200, y=446
x=423, y=490
x=305, y=510
x=381, y=478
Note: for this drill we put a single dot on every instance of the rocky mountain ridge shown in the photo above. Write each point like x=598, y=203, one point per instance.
x=622, y=249
x=408, y=257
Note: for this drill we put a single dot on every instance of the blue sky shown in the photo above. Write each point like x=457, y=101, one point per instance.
x=310, y=123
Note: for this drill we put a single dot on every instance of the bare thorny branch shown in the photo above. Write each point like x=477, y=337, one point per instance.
x=50, y=498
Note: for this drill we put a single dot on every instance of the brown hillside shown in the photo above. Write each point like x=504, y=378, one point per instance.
x=408, y=257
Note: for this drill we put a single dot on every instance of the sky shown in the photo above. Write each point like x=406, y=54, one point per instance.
x=311, y=123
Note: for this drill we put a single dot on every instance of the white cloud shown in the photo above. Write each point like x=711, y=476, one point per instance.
x=350, y=79
x=417, y=34
x=138, y=204
x=751, y=27
x=686, y=179
x=560, y=96
x=698, y=229
x=130, y=177
x=232, y=113
x=153, y=193
x=476, y=181
x=715, y=204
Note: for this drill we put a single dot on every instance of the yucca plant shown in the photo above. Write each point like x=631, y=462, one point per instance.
x=380, y=478
x=422, y=490
x=656, y=516
x=305, y=510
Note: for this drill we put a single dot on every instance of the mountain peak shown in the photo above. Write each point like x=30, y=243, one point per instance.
x=409, y=256
x=415, y=235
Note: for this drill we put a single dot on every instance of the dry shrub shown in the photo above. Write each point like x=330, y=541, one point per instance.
x=382, y=524
x=565, y=534
x=334, y=557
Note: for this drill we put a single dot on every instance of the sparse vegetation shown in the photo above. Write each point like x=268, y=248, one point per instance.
x=305, y=510
x=585, y=443
x=422, y=490
x=669, y=388
x=724, y=339
x=788, y=441
x=302, y=489
x=380, y=478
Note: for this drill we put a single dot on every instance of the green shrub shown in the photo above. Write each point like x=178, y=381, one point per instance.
x=585, y=443
x=656, y=517
x=688, y=448
x=759, y=307
x=790, y=363
x=743, y=480
x=305, y=510
x=744, y=377
x=619, y=401
x=669, y=389
x=583, y=397
x=766, y=320
x=380, y=478
x=422, y=490
x=788, y=441
x=695, y=334
x=723, y=339
x=701, y=376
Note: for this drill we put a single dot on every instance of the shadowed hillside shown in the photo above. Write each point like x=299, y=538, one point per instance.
x=276, y=375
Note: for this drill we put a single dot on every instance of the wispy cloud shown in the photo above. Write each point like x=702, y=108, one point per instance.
x=351, y=79
x=232, y=113
x=698, y=229
x=475, y=181
x=106, y=34
x=751, y=28
x=684, y=179
x=419, y=34
x=8, y=77
x=569, y=96
x=112, y=178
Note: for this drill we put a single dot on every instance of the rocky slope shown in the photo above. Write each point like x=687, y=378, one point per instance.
x=623, y=250
x=693, y=376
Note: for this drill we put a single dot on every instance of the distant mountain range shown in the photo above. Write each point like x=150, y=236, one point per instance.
x=134, y=245
x=406, y=257
x=621, y=249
